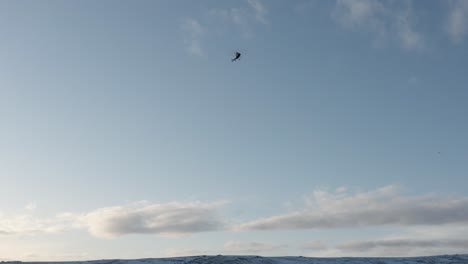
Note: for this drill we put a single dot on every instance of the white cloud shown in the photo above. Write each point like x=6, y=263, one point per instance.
x=259, y=9
x=30, y=225
x=458, y=20
x=169, y=218
x=140, y=218
x=383, y=19
x=421, y=219
x=193, y=31
x=381, y=207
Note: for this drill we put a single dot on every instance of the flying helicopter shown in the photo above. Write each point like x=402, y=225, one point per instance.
x=236, y=56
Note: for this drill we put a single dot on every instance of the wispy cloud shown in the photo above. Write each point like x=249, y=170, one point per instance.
x=193, y=32
x=387, y=206
x=83, y=256
x=389, y=247
x=360, y=13
x=244, y=18
x=140, y=218
x=259, y=10
x=405, y=241
x=28, y=224
x=404, y=247
x=409, y=38
x=239, y=17
x=240, y=247
x=232, y=248
x=457, y=24
x=384, y=206
x=383, y=19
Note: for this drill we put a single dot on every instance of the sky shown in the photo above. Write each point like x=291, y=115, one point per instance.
x=127, y=132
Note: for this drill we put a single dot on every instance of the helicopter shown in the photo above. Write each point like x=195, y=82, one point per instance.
x=236, y=57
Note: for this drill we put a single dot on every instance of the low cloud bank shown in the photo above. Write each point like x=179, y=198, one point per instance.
x=384, y=206
x=170, y=218
x=140, y=218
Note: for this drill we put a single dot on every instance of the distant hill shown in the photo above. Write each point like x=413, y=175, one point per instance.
x=221, y=259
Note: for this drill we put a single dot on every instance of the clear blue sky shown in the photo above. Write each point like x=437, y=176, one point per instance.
x=126, y=131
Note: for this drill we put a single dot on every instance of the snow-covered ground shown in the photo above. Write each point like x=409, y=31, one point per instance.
x=458, y=259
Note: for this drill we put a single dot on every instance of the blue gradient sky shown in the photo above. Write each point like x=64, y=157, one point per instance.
x=105, y=104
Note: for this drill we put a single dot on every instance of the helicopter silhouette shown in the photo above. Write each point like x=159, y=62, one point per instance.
x=237, y=56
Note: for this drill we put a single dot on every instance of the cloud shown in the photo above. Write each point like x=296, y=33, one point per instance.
x=170, y=218
x=238, y=247
x=31, y=225
x=409, y=38
x=244, y=18
x=359, y=13
x=59, y=257
x=382, y=19
x=445, y=216
x=231, y=248
x=457, y=21
x=389, y=247
x=140, y=218
x=404, y=247
x=219, y=19
x=193, y=32
x=381, y=207
x=402, y=242
x=236, y=16
x=259, y=9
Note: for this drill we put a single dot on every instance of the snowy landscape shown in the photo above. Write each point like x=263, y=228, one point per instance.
x=445, y=259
